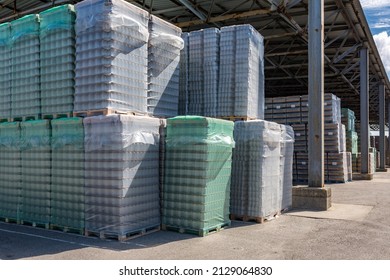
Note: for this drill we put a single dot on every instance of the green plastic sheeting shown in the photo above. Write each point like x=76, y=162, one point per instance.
x=25, y=91
x=57, y=54
x=67, y=173
x=196, y=189
x=10, y=170
x=36, y=165
x=5, y=70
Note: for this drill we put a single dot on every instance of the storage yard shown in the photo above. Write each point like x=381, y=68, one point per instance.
x=142, y=130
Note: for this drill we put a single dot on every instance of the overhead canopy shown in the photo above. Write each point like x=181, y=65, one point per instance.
x=283, y=23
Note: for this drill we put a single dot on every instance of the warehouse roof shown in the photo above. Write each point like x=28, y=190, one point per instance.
x=283, y=23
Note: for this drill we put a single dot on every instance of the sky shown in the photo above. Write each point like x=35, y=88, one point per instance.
x=378, y=16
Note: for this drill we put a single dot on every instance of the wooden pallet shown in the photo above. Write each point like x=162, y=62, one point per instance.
x=25, y=118
x=34, y=224
x=121, y=237
x=56, y=116
x=9, y=220
x=259, y=220
x=3, y=120
x=199, y=232
x=67, y=229
x=105, y=112
x=235, y=118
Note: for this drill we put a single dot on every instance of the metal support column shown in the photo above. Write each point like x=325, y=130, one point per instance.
x=364, y=110
x=382, y=138
x=316, y=94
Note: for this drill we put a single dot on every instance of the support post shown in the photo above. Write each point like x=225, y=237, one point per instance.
x=388, y=135
x=364, y=111
x=315, y=196
x=382, y=138
x=316, y=94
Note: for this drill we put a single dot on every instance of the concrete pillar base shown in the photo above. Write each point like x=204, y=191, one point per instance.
x=311, y=198
x=362, y=176
x=381, y=170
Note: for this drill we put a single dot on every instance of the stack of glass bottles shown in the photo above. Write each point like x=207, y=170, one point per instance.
x=197, y=174
x=5, y=70
x=57, y=37
x=25, y=90
x=255, y=189
x=165, y=44
x=67, y=173
x=241, y=73
x=111, y=56
x=36, y=168
x=10, y=170
x=121, y=174
x=203, y=72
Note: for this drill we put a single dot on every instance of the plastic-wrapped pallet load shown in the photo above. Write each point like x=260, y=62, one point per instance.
x=183, y=81
x=111, y=56
x=10, y=170
x=25, y=91
x=121, y=175
x=241, y=73
x=255, y=188
x=196, y=189
x=348, y=119
x=203, y=72
x=165, y=44
x=36, y=169
x=5, y=70
x=58, y=39
x=67, y=174
x=286, y=164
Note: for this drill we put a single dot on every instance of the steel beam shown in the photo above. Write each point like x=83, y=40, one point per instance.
x=364, y=110
x=382, y=162
x=316, y=94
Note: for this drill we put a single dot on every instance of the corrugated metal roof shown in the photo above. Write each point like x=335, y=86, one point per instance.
x=283, y=23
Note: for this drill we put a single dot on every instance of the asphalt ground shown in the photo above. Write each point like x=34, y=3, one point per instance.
x=356, y=228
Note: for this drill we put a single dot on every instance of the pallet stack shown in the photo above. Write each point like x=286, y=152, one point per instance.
x=67, y=197
x=226, y=73
x=57, y=54
x=203, y=72
x=196, y=189
x=184, y=75
x=261, y=170
x=25, y=58
x=10, y=171
x=293, y=110
x=36, y=172
x=111, y=56
x=5, y=71
x=121, y=175
x=165, y=44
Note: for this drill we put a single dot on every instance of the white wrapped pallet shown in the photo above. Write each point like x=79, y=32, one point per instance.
x=241, y=73
x=121, y=175
x=111, y=56
x=165, y=44
x=255, y=188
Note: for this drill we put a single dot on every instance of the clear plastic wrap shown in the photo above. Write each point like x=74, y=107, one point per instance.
x=110, y=15
x=286, y=165
x=111, y=56
x=165, y=44
x=256, y=169
x=122, y=174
